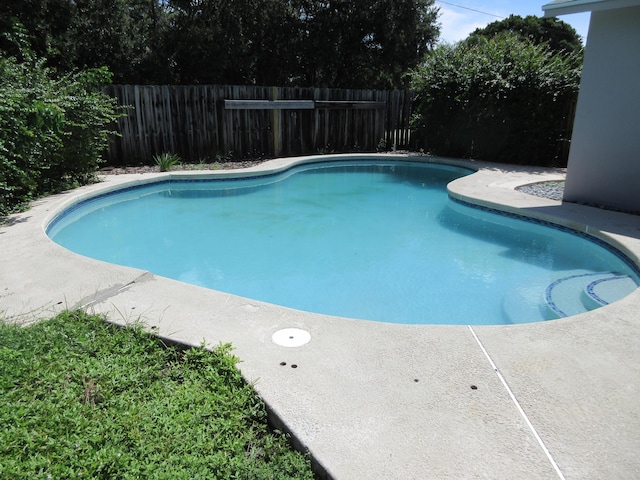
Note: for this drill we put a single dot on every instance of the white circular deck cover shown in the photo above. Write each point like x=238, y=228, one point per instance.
x=291, y=337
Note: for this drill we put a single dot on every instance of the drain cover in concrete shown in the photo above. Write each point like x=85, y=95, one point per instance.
x=291, y=337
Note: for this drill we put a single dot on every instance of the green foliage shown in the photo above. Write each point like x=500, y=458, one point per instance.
x=501, y=99
x=52, y=129
x=364, y=43
x=227, y=42
x=166, y=161
x=337, y=43
x=559, y=36
x=81, y=398
x=121, y=34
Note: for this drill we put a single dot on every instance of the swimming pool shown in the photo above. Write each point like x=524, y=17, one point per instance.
x=375, y=240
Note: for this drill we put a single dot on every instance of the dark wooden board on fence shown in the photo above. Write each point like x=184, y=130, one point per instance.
x=212, y=122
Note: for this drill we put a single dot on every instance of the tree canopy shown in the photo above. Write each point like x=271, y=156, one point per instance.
x=325, y=43
x=559, y=36
x=364, y=43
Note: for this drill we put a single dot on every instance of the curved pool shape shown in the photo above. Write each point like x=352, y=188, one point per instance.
x=374, y=240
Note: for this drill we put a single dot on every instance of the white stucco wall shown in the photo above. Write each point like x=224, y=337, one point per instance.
x=604, y=160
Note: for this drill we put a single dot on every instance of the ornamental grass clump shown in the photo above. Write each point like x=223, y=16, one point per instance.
x=166, y=161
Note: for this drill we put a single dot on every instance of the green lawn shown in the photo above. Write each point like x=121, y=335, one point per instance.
x=80, y=398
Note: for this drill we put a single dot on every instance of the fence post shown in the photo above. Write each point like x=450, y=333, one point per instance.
x=276, y=122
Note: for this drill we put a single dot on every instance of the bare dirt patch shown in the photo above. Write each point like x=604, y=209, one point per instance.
x=180, y=167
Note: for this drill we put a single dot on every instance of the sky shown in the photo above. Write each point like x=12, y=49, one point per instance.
x=459, y=18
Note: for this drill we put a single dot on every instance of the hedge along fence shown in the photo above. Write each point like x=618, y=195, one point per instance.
x=205, y=122
x=501, y=99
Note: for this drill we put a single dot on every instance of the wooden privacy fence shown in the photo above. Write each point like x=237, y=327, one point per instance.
x=205, y=122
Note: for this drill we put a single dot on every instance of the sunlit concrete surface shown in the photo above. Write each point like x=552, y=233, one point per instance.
x=557, y=399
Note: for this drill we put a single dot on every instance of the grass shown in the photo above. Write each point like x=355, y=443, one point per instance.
x=81, y=398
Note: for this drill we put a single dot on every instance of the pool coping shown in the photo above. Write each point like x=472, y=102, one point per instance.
x=375, y=400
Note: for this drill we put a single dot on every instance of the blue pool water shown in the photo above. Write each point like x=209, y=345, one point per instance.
x=368, y=240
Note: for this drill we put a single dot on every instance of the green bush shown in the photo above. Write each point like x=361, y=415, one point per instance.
x=52, y=129
x=500, y=99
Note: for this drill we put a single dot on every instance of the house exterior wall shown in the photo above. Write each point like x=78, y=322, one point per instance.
x=564, y=7
x=604, y=160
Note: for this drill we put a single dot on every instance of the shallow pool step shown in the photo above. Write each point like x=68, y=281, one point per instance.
x=523, y=304
x=579, y=293
x=571, y=294
x=607, y=290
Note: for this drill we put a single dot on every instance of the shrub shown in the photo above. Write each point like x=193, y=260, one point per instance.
x=52, y=129
x=166, y=161
x=500, y=99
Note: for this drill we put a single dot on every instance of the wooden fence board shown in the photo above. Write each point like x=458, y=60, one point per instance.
x=202, y=122
x=268, y=104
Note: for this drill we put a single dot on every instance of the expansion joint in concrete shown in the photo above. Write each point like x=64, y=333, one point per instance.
x=515, y=401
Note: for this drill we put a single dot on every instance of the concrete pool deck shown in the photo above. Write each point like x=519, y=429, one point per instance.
x=559, y=399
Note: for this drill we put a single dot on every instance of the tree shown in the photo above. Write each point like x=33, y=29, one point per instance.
x=364, y=43
x=226, y=42
x=408, y=31
x=326, y=43
x=33, y=17
x=123, y=35
x=498, y=99
x=558, y=35
x=337, y=43
x=274, y=46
